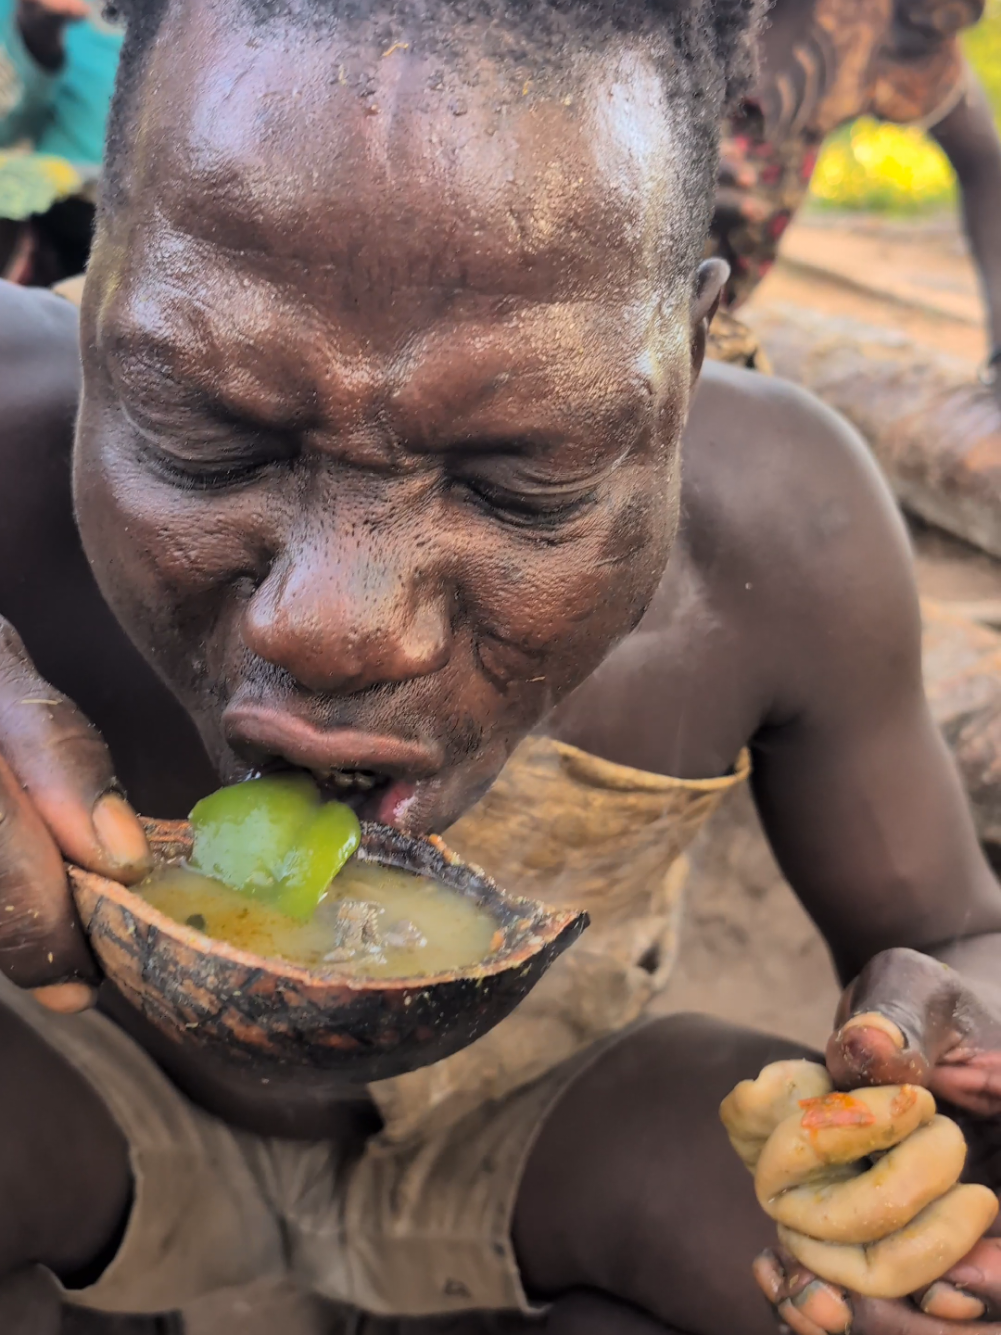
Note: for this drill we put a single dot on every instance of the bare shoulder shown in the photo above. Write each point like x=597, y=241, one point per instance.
x=769, y=467
x=794, y=533
x=39, y=356
x=789, y=594
x=39, y=392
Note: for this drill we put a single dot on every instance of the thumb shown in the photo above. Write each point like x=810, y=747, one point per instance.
x=902, y=1014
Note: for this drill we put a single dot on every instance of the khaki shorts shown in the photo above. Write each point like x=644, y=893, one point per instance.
x=403, y=1230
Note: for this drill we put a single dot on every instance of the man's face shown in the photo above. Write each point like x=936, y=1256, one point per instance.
x=378, y=449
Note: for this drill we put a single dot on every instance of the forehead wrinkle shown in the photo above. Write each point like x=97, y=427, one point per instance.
x=549, y=371
x=276, y=189
x=231, y=338
x=518, y=381
x=264, y=343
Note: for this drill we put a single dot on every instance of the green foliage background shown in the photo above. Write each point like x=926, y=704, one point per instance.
x=895, y=168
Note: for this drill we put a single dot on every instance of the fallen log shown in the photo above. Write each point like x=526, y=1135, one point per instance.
x=935, y=431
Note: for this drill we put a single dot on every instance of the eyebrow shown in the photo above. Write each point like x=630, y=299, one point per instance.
x=148, y=349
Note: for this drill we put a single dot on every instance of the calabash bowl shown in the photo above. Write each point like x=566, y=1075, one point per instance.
x=246, y=1008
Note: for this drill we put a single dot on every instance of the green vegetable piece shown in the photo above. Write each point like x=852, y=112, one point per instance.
x=274, y=838
x=316, y=858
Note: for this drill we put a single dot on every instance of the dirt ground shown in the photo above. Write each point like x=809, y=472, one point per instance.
x=749, y=953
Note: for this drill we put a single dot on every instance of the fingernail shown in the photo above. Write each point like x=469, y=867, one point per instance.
x=768, y=1276
x=824, y=1306
x=951, y=1304
x=66, y=998
x=798, y=1321
x=873, y=1020
x=122, y=836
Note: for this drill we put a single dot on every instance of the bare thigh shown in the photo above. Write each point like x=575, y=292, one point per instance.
x=633, y=1193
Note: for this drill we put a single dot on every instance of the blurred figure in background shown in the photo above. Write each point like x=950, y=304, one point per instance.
x=57, y=70
x=826, y=62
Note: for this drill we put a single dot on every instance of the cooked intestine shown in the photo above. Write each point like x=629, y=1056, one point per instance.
x=864, y=1186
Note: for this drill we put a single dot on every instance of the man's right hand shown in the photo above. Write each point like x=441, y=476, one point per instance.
x=57, y=800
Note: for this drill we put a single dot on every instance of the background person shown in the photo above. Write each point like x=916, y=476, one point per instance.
x=57, y=69
x=827, y=62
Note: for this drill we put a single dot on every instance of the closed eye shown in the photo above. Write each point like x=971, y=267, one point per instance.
x=536, y=509
x=202, y=452
x=202, y=476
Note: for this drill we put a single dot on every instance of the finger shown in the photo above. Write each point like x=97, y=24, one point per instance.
x=739, y=206
x=66, y=998
x=822, y=1305
x=69, y=9
x=769, y=1276
x=951, y=1304
x=782, y=1280
x=61, y=761
x=909, y=1259
x=41, y=940
x=979, y=1273
x=804, y=1303
x=797, y=1321
x=877, y=1316
x=904, y=995
x=974, y=1085
x=735, y=174
x=870, y=1049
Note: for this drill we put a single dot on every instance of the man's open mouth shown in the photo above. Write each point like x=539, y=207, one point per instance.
x=355, y=787
x=370, y=794
x=380, y=788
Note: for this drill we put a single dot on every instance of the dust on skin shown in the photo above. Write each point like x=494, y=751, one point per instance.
x=425, y=368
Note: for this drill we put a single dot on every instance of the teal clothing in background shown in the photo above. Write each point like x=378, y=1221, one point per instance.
x=62, y=113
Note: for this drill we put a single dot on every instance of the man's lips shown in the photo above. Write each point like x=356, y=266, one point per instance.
x=264, y=735
x=259, y=731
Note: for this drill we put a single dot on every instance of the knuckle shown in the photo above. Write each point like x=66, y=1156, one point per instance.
x=40, y=939
x=38, y=930
x=12, y=650
x=43, y=735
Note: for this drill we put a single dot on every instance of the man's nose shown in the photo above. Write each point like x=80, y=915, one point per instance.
x=347, y=625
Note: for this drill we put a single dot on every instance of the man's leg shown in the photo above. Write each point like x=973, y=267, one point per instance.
x=633, y=1193
x=65, y=1184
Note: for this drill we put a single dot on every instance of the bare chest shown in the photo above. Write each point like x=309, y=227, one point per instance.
x=680, y=696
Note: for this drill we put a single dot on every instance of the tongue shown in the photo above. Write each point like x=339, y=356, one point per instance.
x=389, y=805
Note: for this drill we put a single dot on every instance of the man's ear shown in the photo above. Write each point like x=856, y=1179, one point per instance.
x=709, y=283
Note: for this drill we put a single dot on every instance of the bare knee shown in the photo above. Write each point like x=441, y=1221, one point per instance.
x=632, y=1188
x=589, y=1313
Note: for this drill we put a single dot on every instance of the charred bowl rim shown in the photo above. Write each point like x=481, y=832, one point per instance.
x=527, y=925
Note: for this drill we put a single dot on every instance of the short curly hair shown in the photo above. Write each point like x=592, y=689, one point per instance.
x=704, y=51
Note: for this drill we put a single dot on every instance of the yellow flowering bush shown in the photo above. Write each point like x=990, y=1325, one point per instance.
x=891, y=168
x=896, y=168
x=31, y=183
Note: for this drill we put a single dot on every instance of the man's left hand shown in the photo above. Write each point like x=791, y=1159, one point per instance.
x=909, y=1019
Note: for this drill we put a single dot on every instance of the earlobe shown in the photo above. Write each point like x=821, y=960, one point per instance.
x=709, y=283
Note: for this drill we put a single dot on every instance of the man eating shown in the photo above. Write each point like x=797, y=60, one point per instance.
x=391, y=333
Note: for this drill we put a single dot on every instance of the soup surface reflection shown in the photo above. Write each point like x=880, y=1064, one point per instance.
x=375, y=921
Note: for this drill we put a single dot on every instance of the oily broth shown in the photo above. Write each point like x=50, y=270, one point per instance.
x=375, y=921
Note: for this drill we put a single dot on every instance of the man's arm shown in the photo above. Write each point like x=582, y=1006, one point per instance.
x=969, y=138
x=810, y=578
x=859, y=796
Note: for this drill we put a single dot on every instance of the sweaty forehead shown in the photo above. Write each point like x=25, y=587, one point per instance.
x=369, y=173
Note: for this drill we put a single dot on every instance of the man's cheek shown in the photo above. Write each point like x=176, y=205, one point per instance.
x=549, y=632
x=189, y=543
